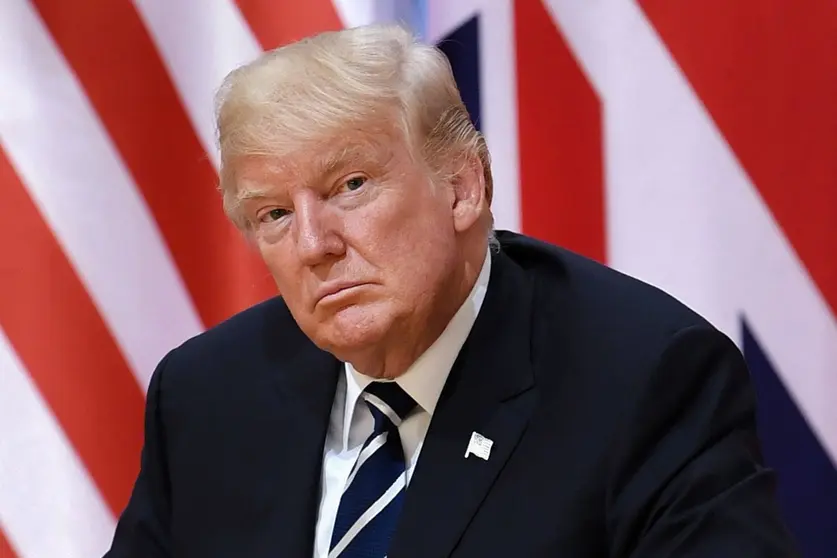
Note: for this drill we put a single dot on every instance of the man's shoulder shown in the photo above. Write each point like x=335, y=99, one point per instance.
x=245, y=328
x=588, y=298
x=600, y=332
x=240, y=342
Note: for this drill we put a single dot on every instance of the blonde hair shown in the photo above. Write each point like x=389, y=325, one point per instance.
x=309, y=90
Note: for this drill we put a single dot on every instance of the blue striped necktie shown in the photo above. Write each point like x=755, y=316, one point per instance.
x=374, y=493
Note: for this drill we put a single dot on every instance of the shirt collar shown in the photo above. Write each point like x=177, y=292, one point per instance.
x=426, y=377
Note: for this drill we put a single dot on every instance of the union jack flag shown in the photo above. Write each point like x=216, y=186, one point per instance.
x=691, y=144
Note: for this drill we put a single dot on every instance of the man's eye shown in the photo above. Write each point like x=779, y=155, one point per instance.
x=355, y=182
x=273, y=215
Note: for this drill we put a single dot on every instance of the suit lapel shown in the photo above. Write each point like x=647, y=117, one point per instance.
x=305, y=379
x=490, y=391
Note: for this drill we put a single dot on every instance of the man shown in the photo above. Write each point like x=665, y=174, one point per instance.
x=424, y=388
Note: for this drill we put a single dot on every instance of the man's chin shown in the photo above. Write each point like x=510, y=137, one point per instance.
x=352, y=330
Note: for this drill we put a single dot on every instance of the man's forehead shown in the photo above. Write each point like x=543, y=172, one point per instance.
x=258, y=176
x=317, y=157
x=344, y=151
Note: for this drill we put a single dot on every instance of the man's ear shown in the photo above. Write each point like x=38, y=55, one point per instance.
x=468, y=186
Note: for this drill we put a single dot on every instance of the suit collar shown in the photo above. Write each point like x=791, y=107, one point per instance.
x=489, y=391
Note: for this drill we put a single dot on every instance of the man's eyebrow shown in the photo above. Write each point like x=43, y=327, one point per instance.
x=249, y=193
x=337, y=159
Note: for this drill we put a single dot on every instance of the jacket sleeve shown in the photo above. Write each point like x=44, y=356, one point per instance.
x=686, y=475
x=143, y=528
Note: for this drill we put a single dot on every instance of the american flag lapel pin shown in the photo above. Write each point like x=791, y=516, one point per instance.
x=479, y=445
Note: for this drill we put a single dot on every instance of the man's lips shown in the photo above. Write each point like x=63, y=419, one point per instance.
x=333, y=291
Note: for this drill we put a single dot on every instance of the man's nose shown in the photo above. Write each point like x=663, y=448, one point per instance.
x=317, y=231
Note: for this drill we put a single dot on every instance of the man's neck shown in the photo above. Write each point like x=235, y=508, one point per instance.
x=396, y=354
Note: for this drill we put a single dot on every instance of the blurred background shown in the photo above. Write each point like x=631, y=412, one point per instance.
x=692, y=144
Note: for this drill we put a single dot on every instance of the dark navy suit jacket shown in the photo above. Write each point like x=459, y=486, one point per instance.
x=623, y=426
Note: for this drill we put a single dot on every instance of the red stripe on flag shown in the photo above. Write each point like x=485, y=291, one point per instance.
x=125, y=79
x=767, y=72
x=559, y=119
x=68, y=351
x=5, y=547
x=279, y=22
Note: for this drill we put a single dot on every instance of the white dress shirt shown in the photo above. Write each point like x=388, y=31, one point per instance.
x=423, y=381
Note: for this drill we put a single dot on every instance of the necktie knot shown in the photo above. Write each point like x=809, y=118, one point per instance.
x=390, y=400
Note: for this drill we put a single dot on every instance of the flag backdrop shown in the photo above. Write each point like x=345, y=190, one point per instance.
x=692, y=144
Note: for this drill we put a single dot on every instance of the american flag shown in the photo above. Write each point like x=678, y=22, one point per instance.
x=692, y=144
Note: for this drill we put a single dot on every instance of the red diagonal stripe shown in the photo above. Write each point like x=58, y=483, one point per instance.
x=114, y=57
x=6, y=548
x=59, y=336
x=767, y=72
x=279, y=22
x=559, y=119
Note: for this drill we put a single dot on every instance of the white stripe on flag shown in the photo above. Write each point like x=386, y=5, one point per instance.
x=77, y=179
x=218, y=41
x=583, y=26
x=359, y=12
x=49, y=505
x=498, y=92
x=685, y=216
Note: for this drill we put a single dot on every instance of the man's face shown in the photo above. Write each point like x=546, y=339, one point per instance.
x=357, y=237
